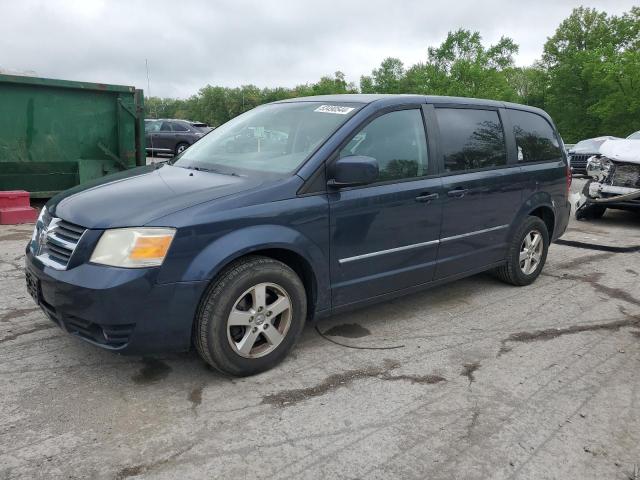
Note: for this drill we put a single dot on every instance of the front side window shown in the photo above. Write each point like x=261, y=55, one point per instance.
x=535, y=139
x=273, y=139
x=151, y=126
x=471, y=139
x=397, y=141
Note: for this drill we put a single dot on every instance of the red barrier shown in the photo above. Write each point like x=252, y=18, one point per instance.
x=15, y=208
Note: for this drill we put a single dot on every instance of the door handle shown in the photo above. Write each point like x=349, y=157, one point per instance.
x=458, y=192
x=426, y=197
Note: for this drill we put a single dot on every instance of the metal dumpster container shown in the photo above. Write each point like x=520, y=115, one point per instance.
x=55, y=134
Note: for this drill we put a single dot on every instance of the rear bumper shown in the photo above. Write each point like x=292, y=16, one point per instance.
x=118, y=309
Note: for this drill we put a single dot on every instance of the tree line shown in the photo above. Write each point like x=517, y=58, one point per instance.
x=588, y=78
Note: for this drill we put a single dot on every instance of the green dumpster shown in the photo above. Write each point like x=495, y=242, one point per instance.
x=55, y=134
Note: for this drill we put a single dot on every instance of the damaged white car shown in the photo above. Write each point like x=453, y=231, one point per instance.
x=615, y=179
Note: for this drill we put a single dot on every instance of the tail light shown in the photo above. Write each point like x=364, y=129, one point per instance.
x=568, y=180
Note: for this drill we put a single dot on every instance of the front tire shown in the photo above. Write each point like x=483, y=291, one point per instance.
x=527, y=253
x=250, y=317
x=589, y=211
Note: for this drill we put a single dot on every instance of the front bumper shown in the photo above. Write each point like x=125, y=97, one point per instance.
x=611, y=196
x=628, y=205
x=119, y=309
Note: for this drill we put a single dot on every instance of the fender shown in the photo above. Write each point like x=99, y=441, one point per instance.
x=222, y=251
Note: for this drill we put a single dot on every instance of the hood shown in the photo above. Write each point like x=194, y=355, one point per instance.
x=135, y=197
x=627, y=151
x=590, y=145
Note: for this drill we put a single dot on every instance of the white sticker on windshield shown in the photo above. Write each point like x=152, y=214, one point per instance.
x=333, y=109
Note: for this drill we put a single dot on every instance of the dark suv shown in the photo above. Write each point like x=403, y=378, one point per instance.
x=296, y=210
x=170, y=136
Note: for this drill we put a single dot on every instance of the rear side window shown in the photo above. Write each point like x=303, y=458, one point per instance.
x=397, y=140
x=535, y=139
x=166, y=127
x=471, y=139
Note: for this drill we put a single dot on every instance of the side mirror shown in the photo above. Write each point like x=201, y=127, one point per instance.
x=352, y=171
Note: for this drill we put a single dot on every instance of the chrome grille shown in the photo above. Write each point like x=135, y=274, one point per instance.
x=55, y=240
x=579, y=162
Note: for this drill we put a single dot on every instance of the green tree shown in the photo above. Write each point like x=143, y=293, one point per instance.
x=588, y=78
x=593, y=69
x=530, y=84
x=385, y=79
x=463, y=66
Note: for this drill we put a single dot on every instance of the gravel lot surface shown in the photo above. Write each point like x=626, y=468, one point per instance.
x=473, y=380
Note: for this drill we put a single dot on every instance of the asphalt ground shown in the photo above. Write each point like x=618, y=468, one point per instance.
x=474, y=380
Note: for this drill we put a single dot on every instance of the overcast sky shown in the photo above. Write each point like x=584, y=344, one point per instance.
x=192, y=43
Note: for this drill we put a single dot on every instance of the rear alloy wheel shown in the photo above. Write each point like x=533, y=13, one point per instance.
x=251, y=316
x=181, y=147
x=527, y=253
x=531, y=252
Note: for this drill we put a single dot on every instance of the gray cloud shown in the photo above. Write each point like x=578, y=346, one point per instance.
x=191, y=43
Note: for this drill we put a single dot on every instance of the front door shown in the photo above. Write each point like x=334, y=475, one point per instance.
x=384, y=236
x=481, y=188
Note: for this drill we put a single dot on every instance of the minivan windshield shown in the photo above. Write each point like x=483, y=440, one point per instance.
x=270, y=139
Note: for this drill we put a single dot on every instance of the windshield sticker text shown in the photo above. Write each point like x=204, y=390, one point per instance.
x=333, y=109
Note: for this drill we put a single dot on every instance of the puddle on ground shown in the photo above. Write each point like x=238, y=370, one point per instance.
x=153, y=370
x=195, y=396
x=469, y=371
x=286, y=398
x=348, y=330
x=551, y=333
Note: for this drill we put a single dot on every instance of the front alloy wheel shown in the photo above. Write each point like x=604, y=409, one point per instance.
x=251, y=316
x=259, y=320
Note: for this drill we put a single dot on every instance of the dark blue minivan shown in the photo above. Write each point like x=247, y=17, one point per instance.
x=296, y=210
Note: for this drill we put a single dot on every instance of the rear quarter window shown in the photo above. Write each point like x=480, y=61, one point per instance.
x=535, y=139
x=471, y=139
x=179, y=127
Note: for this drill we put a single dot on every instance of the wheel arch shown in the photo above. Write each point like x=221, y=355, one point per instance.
x=540, y=205
x=547, y=215
x=278, y=242
x=298, y=264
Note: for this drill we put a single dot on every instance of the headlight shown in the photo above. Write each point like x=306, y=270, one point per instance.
x=133, y=247
x=598, y=167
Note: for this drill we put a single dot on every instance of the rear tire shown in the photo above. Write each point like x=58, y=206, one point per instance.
x=181, y=147
x=525, y=257
x=590, y=212
x=250, y=317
